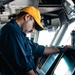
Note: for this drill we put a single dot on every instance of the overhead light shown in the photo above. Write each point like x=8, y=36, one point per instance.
x=3, y=2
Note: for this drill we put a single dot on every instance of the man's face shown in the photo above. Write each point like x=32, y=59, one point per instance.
x=29, y=25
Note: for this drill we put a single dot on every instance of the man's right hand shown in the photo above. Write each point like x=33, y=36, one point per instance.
x=31, y=72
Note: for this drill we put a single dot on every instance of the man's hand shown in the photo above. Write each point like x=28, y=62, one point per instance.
x=65, y=48
x=31, y=72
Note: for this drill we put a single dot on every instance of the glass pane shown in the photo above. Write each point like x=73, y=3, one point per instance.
x=45, y=37
x=66, y=40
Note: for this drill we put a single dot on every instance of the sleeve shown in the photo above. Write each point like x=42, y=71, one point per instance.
x=37, y=49
x=14, y=51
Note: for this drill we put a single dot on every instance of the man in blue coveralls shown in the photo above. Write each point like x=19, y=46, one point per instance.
x=16, y=50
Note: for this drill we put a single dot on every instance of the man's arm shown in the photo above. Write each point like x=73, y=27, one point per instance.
x=49, y=50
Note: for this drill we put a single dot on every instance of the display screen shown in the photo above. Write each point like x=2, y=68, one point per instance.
x=64, y=67
x=48, y=62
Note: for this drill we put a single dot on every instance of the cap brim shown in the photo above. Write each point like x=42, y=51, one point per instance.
x=39, y=27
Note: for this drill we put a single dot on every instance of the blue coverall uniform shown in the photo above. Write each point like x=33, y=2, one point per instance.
x=17, y=50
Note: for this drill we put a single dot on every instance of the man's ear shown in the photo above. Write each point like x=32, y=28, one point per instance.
x=26, y=17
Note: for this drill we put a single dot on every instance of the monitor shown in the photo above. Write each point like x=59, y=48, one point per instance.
x=65, y=66
x=68, y=6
